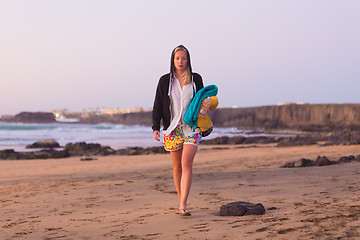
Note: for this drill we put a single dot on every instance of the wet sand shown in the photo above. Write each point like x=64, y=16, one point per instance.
x=133, y=197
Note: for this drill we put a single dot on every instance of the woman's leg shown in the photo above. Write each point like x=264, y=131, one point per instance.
x=188, y=154
x=177, y=172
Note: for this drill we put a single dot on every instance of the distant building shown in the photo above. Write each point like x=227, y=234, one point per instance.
x=63, y=111
x=6, y=117
x=111, y=111
x=64, y=115
x=290, y=103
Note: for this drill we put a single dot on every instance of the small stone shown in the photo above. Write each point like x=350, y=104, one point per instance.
x=88, y=159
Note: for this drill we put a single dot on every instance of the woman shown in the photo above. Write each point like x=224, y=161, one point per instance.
x=173, y=95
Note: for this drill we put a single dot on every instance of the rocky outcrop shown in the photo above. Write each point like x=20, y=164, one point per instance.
x=76, y=149
x=320, y=161
x=140, y=150
x=35, y=117
x=241, y=209
x=83, y=148
x=10, y=154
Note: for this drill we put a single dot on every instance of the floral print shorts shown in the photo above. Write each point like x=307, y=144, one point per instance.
x=175, y=140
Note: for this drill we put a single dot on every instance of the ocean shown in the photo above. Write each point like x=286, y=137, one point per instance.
x=18, y=135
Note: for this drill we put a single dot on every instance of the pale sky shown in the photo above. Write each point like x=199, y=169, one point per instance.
x=76, y=54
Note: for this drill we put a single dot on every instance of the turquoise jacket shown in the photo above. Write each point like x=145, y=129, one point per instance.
x=191, y=114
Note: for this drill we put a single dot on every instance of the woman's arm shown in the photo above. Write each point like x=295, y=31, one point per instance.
x=157, y=108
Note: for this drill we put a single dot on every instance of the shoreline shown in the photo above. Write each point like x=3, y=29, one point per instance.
x=133, y=197
x=49, y=148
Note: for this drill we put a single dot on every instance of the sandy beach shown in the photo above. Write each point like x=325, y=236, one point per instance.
x=133, y=197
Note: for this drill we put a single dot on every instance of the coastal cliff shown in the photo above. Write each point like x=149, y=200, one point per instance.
x=30, y=117
x=292, y=116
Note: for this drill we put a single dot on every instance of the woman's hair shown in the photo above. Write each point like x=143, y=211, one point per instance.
x=186, y=76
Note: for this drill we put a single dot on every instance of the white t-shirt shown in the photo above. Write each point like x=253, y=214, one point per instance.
x=180, y=99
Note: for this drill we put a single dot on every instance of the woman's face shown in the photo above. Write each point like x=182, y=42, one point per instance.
x=180, y=60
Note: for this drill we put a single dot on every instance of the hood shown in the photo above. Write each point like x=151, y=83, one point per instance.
x=172, y=66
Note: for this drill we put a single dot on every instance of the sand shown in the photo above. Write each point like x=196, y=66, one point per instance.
x=133, y=197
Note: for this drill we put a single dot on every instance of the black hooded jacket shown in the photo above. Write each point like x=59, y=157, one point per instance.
x=161, y=108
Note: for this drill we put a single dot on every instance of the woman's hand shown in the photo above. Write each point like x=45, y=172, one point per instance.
x=207, y=107
x=156, y=135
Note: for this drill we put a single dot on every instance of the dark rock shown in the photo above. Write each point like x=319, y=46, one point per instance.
x=346, y=159
x=141, y=151
x=88, y=159
x=323, y=161
x=157, y=150
x=46, y=143
x=272, y=208
x=7, y=151
x=241, y=209
x=136, y=151
x=43, y=154
x=82, y=148
x=131, y=151
x=288, y=165
x=222, y=148
x=216, y=141
x=304, y=163
x=77, y=148
x=299, y=163
x=58, y=154
x=8, y=154
x=106, y=150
